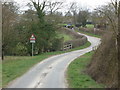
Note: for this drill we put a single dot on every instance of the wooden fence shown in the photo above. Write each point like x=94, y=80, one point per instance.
x=67, y=47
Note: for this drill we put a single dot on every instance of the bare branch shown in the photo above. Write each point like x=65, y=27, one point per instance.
x=115, y=5
x=54, y=6
x=71, y=7
x=43, y=5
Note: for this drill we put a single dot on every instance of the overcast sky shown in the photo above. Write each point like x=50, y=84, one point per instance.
x=91, y=4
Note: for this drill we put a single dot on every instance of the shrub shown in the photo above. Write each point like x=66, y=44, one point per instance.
x=104, y=65
x=57, y=44
x=20, y=49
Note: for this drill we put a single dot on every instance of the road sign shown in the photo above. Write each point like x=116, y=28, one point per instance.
x=32, y=39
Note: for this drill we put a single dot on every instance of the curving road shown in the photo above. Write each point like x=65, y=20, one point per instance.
x=50, y=73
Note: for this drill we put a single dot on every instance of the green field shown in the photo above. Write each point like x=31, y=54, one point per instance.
x=15, y=66
x=77, y=78
x=89, y=25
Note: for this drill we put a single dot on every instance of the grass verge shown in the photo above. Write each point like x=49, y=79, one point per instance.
x=15, y=66
x=90, y=34
x=77, y=78
x=0, y=73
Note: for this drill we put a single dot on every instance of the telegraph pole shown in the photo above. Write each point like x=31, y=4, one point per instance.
x=118, y=38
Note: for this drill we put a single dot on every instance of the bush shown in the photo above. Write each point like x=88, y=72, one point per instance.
x=104, y=65
x=57, y=44
x=20, y=50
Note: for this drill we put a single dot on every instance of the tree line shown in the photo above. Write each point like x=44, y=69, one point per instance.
x=42, y=19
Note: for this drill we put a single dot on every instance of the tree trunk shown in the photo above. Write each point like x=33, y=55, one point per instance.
x=2, y=55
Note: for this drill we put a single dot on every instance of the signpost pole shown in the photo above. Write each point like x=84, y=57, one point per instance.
x=32, y=40
x=32, y=49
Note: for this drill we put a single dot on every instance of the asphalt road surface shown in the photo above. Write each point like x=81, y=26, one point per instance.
x=50, y=73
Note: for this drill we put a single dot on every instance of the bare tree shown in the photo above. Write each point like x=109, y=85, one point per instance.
x=54, y=6
x=71, y=8
x=98, y=19
x=9, y=17
x=40, y=9
x=53, y=14
x=111, y=14
x=82, y=17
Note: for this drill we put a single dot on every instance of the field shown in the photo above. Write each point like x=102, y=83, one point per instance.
x=75, y=74
x=89, y=25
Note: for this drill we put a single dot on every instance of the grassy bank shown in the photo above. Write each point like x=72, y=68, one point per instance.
x=0, y=73
x=14, y=67
x=66, y=37
x=89, y=34
x=77, y=78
